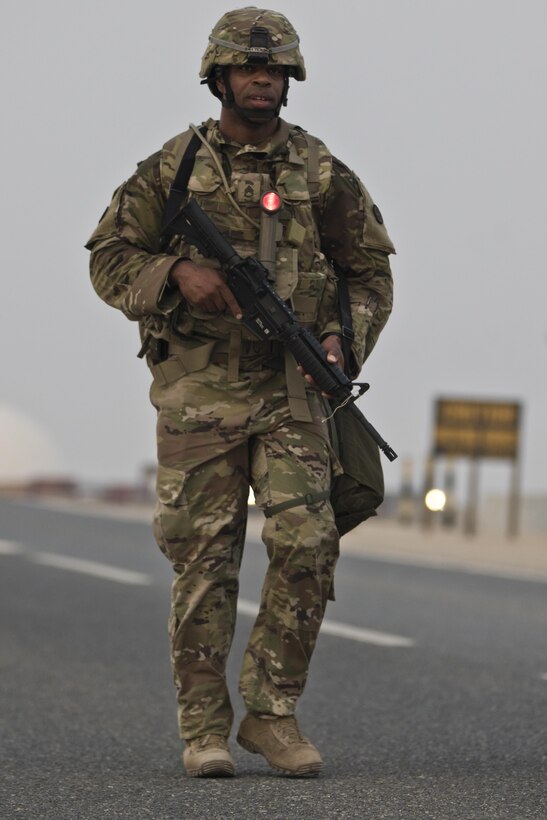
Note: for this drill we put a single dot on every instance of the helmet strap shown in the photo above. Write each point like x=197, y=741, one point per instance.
x=285, y=95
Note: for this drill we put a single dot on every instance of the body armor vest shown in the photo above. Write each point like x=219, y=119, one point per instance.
x=228, y=182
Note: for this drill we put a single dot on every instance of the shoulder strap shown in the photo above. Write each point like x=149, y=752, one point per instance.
x=304, y=141
x=313, y=167
x=344, y=314
x=179, y=186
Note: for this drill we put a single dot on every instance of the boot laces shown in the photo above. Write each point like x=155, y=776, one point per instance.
x=216, y=741
x=290, y=730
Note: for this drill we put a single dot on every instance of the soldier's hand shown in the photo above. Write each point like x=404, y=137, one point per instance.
x=204, y=288
x=334, y=355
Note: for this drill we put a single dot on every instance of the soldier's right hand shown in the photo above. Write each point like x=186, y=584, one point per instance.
x=203, y=288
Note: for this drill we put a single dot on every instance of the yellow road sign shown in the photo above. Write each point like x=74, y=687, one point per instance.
x=479, y=429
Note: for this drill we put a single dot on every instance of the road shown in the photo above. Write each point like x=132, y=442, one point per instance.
x=427, y=694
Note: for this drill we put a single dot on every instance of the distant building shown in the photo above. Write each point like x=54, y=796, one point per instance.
x=124, y=494
x=59, y=487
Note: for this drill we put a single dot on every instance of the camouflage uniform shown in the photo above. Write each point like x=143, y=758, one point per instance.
x=227, y=413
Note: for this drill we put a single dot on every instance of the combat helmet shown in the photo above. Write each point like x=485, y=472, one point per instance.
x=251, y=36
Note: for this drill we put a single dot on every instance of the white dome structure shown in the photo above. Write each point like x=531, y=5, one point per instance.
x=26, y=450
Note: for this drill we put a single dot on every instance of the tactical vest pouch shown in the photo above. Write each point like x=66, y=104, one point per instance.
x=307, y=296
x=356, y=494
x=185, y=360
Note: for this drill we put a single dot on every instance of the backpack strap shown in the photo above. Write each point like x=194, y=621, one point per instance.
x=179, y=186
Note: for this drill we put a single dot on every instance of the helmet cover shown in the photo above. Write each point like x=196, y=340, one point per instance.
x=252, y=35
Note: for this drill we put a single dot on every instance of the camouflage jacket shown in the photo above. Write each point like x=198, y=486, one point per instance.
x=327, y=214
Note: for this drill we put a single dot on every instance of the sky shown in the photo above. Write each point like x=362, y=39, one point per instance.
x=438, y=106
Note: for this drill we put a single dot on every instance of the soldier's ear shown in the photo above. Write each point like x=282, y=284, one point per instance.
x=220, y=84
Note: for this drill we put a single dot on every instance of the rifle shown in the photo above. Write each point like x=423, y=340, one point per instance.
x=267, y=316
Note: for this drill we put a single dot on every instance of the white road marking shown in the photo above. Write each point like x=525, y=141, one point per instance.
x=126, y=576
x=9, y=548
x=110, y=573
x=353, y=633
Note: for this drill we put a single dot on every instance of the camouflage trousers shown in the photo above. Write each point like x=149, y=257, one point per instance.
x=214, y=439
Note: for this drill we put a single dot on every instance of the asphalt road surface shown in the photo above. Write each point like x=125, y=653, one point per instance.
x=427, y=693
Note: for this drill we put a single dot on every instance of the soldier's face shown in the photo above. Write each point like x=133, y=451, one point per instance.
x=255, y=88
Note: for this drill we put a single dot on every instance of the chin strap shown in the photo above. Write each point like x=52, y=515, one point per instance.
x=250, y=116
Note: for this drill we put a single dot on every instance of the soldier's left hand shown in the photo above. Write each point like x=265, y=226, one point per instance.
x=334, y=356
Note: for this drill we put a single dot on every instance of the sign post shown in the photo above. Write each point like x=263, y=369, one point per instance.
x=479, y=430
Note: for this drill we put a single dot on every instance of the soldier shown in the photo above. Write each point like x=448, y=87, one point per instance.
x=234, y=412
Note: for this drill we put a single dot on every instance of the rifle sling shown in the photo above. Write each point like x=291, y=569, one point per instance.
x=344, y=316
x=179, y=187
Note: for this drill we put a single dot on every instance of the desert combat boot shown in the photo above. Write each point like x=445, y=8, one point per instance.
x=208, y=756
x=279, y=740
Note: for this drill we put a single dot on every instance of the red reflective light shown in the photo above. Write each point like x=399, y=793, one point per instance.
x=271, y=202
